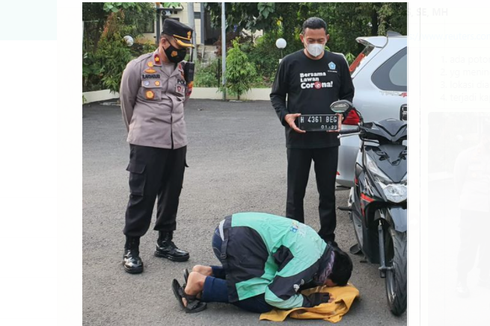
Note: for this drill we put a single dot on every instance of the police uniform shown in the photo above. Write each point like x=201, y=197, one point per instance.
x=152, y=101
x=152, y=97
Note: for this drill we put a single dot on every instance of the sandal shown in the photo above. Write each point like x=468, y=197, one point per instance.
x=193, y=304
x=186, y=276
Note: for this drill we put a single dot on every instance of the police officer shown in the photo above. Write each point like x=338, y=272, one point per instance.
x=153, y=91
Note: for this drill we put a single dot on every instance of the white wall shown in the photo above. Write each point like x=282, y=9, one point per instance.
x=96, y=96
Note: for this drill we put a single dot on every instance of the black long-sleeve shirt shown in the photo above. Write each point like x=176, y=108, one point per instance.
x=310, y=86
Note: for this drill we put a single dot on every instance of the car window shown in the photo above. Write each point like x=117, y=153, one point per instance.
x=392, y=75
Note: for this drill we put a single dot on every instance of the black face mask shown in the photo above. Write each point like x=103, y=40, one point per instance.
x=175, y=55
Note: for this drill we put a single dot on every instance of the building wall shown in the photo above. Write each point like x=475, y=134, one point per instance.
x=184, y=18
x=182, y=15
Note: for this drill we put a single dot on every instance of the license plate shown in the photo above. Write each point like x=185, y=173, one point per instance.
x=318, y=122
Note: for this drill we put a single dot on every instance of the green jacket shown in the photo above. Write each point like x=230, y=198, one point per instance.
x=271, y=255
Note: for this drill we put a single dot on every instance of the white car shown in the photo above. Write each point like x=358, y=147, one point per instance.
x=379, y=74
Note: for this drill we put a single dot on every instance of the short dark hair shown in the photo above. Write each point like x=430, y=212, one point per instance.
x=314, y=23
x=342, y=268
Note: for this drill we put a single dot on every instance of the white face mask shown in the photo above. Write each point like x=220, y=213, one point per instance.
x=315, y=49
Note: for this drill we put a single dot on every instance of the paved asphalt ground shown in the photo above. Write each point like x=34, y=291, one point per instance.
x=237, y=162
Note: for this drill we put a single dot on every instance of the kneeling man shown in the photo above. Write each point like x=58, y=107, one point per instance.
x=267, y=261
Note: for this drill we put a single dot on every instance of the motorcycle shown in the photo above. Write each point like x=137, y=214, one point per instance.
x=377, y=202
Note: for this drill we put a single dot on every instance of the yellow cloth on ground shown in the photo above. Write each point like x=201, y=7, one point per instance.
x=343, y=298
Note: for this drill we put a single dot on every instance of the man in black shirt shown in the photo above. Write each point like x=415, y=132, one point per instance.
x=312, y=79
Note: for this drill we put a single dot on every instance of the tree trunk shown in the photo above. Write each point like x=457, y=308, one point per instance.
x=374, y=23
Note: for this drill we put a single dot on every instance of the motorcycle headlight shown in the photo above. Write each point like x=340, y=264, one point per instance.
x=394, y=192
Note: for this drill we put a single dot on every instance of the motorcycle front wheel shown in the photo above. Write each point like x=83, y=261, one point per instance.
x=396, y=275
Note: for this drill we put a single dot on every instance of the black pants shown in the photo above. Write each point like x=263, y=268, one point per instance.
x=154, y=172
x=216, y=289
x=299, y=163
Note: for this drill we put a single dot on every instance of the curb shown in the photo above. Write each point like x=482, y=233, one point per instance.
x=211, y=93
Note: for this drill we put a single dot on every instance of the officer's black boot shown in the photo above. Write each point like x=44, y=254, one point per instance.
x=167, y=249
x=131, y=261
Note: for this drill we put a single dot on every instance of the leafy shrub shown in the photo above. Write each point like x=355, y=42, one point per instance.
x=208, y=75
x=91, y=73
x=240, y=73
x=113, y=52
x=264, y=55
x=105, y=55
x=142, y=46
x=350, y=57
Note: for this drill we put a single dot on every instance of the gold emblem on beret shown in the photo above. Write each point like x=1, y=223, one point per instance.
x=174, y=53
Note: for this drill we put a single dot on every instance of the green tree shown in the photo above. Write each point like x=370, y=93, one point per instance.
x=95, y=14
x=137, y=15
x=264, y=56
x=345, y=21
x=282, y=18
x=240, y=73
x=113, y=52
x=102, y=47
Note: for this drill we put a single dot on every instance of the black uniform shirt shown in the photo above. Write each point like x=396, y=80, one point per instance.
x=311, y=86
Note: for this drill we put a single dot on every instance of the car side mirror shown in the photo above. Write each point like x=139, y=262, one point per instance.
x=341, y=106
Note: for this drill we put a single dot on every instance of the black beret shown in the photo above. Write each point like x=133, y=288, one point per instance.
x=182, y=33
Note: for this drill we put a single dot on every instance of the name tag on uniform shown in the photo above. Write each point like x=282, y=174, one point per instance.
x=318, y=122
x=150, y=76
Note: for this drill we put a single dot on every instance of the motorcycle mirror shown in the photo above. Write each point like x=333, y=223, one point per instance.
x=403, y=112
x=340, y=106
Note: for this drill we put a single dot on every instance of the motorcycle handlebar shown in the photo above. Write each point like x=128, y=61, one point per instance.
x=349, y=131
